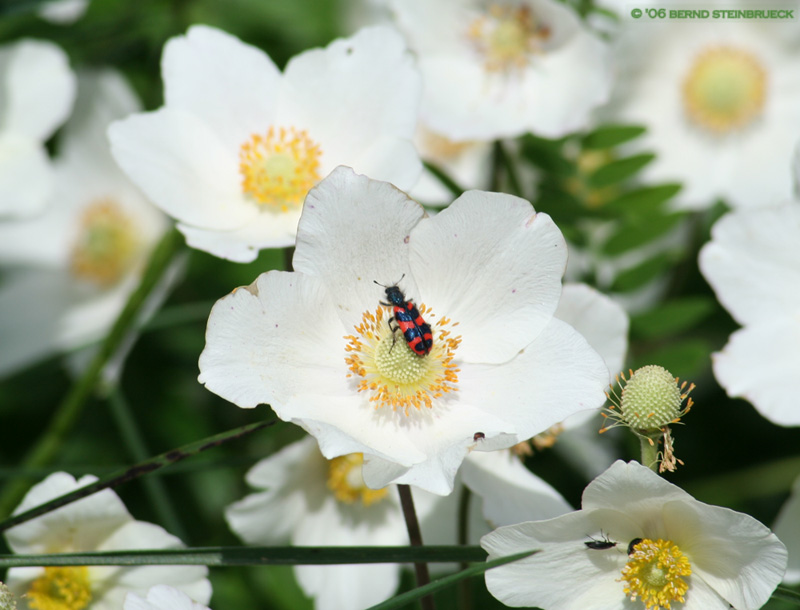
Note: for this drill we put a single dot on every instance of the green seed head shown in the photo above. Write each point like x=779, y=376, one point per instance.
x=651, y=399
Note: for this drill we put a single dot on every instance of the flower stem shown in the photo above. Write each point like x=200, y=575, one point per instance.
x=415, y=537
x=464, y=586
x=68, y=412
x=649, y=447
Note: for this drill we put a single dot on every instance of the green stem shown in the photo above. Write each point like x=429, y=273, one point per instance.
x=415, y=537
x=503, y=162
x=464, y=586
x=445, y=180
x=68, y=412
x=154, y=487
x=134, y=472
x=649, y=447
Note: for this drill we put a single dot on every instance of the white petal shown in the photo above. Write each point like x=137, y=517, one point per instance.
x=702, y=597
x=230, y=86
x=552, y=378
x=63, y=12
x=738, y=557
x=26, y=176
x=463, y=267
x=354, y=231
x=564, y=575
x=602, y=322
x=39, y=89
x=510, y=492
x=787, y=529
x=753, y=262
x=162, y=597
x=760, y=363
x=183, y=168
x=356, y=92
x=264, y=342
x=80, y=526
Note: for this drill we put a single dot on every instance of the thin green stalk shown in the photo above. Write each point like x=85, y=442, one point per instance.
x=504, y=163
x=415, y=537
x=464, y=587
x=252, y=556
x=134, y=472
x=649, y=447
x=445, y=180
x=134, y=440
x=70, y=409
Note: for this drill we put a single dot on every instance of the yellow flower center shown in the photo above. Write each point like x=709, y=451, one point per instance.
x=725, y=89
x=505, y=36
x=279, y=168
x=60, y=589
x=347, y=484
x=655, y=572
x=106, y=246
x=391, y=373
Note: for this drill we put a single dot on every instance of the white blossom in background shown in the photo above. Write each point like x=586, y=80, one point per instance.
x=99, y=522
x=237, y=145
x=162, y=597
x=500, y=363
x=63, y=12
x=494, y=69
x=305, y=500
x=753, y=264
x=663, y=547
x=787, y=528
x=35, y=99
x=721, y=104
x=69, y=272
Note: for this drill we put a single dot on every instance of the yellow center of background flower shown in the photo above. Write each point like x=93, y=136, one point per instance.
x=106, y=246
x=60, y=589
x=725, y=89
x=506, y=35
x=391, y=373
x=347, y=483
x=279, y=168
x=655, y=572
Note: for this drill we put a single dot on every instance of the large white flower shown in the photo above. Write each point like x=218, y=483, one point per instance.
x=721, y=104
x=753, y=264
x=97, y=523
x=236, y=147
x=71, y=270
x=35, y=99
x=310, y=501
x=501, y=68
x=652, y=542
x=162, y=597
x=317, y=346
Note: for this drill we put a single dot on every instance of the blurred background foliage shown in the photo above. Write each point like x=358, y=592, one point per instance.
x=733, y=457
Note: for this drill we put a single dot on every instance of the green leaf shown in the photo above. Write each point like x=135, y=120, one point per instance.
x=639, y=231
x=647, y=198
x=787, y=595
x=686, y=359
x=254, y=556
x=609, y=136
x=546, y=155
x=448, y=581
x=672, y=318
x=445, y=180
x=638, y=276
x=619, y=170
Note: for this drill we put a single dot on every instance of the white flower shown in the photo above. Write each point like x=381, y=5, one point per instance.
x=162, y=597
x=712, y=556
x=753, y=264
x=720, y=104
x=36, y=97
x=63, y=12
x=236, y=147
x=502, y=68
x=97, y=523
x=71, y=270
x=307, y=500
x=317, y=346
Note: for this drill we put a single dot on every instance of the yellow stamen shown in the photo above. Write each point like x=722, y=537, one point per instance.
x=347, y=484
x=391, y=373
x=279, y=168
x=655, y=572
x=61, y=589
x=106, y=245
x=506, y=36
x=725, y=89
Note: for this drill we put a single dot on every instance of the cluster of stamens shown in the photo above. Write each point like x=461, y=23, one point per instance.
x=655, y=573
x=393, y=375
x=347, y=483
x=60, y=588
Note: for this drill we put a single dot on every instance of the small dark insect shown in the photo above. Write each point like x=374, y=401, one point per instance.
x=632, y=545
x=479, y=436
x=600, y=545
